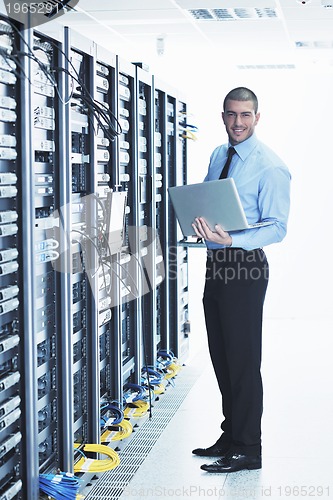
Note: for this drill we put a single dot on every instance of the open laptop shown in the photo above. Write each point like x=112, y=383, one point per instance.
x=217, y=202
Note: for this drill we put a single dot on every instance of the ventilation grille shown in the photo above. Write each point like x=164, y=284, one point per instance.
x=233, y=14
x=112, y=484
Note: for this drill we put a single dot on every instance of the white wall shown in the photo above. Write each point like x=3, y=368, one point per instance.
x=296, y=121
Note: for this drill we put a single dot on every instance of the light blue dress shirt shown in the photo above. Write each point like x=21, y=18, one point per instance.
x=263, y=183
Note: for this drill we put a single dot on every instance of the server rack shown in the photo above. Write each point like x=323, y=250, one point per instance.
x=12, y=341
x=45, y=151
x=182, y=326
x=159, y=199
x=108, y=289
x=177, y=255
x=128, y=307
x=74, y=331
x=147, y=215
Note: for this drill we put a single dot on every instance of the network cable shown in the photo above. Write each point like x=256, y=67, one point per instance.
x=60, y=486
x=86, y=464
x=117, y=413
x=139, y=389
x=117, y=432
x=155, y=377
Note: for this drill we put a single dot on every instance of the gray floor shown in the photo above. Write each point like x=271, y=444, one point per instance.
x=297, y=426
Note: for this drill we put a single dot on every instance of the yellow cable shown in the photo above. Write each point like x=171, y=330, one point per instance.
x=159, y=389
x=94, y=465
x=136, y=409
x=126, y=430
x=188, y=134
x=172, y=370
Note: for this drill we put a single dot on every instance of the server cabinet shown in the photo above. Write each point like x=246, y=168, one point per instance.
x=45, y=158
x=12, y=333
x=177, y=255
x=79, y=318
x=163, y=255
x=127, y=309
x=108, y=282
x=146, y=215
x=84, y=298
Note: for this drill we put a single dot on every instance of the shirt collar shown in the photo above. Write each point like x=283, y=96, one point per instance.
x=246, y=147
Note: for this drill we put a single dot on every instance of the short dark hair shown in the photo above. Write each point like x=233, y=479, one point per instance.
x=241, y=94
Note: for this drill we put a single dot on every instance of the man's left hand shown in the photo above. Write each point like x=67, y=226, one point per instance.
x=219, y=236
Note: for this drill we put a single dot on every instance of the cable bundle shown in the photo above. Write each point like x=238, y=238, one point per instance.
x=104, y=117
x=188, y=130
x=153, y=378
x=117, y=432
x=117, y=414
x=63, y=485
x=137, y=409
x=172, y=370
x=86, y=464
x=129, y=396
x=169, y=363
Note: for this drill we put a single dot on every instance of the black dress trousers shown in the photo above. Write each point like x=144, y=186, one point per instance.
x=235, y=288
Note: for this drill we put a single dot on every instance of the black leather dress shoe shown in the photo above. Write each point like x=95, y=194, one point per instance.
x=217, y=450
x=233, y=463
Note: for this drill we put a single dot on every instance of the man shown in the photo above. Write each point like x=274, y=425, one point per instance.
x=236, y=281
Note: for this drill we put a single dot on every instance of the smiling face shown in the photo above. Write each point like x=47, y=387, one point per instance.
x=240, y=120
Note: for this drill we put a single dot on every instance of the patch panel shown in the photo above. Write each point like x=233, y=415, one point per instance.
x=104, y=317
x=102, y=155
x=8, y=305
x=9, y=405
x=44, y=111
x=44, y=89
x=9, y=419
x=7, y=77
x=8, y=154
x=102, y=84
x=125, y=125
x=9, y=380
x=103, y=142
x=11, y=491
x=6, y=44
x=7, y=140
x=8, y=178
x=9, y=366
x=124, y=145
x=43, y=145
x=124, y=112
x=103, y=178
x=101, y=69
x=8, y=254
x=124, y=93
x=8, y=267
x=8, y=229
x=10, y=443
x=44, y=123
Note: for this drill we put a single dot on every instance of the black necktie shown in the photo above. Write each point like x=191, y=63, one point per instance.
x=225, y=170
